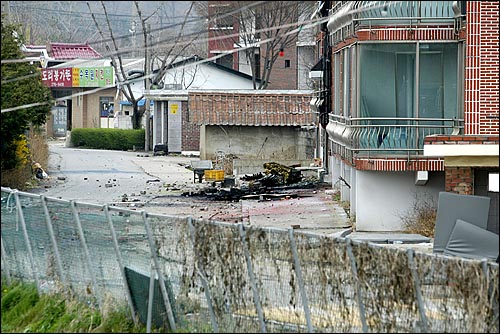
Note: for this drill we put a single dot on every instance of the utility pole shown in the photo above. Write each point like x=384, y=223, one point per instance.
x=132, y=30
x=6, y=10
x=147, y=86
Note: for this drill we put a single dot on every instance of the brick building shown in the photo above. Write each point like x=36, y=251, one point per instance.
x=471, y=158
x=73, y=71
x=412, y=102
x=234, y=28
x=255, y=126
x=173, y=124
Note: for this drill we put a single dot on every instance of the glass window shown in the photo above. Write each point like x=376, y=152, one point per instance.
x=336, y=85
x=438, y=80
x=387, y=77
x=226, y=60
x=106, y=106
x=347, y=82
x=388, y=80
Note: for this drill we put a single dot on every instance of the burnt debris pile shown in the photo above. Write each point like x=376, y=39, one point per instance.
x=276, y=180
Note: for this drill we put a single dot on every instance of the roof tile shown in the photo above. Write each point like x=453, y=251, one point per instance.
x=68, y=51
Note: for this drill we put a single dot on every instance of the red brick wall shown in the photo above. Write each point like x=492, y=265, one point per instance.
x=459, y=180
x=283, y=77
x=457, y=140
x=481, y=68
x=399, y=164
x=216, y=40
x=190, y=132
x=393, y=33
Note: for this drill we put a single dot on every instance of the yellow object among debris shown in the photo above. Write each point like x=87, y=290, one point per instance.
x=214, y=175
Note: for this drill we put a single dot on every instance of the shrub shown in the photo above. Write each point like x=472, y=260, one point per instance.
x=32, y=148
x=109, y=139
x=38, y=147
x=421, y=217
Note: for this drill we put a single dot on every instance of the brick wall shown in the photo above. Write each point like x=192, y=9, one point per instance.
x=481, y=100
x=257, y=107
x=458, y=140
x=421, y=32
x=459, y=180
x=283, y=77
x=399, y=164
x=215, y=36
x=190, y=132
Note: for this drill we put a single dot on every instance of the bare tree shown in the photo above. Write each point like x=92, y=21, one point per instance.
x=51, y=21
x=264, y=31
x=157, y=60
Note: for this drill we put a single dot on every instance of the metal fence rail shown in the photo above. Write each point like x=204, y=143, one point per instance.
x=225, y=277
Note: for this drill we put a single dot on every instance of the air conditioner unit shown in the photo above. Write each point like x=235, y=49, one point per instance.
x=422, y=177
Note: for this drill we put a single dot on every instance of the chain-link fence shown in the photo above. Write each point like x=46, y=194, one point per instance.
x=184, y=273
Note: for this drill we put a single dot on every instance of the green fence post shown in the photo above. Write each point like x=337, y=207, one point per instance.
x=27, y=239
x=62, y=277
x=166, y=300
x=86, y=253
x=359, y=298
x=418, y=291
x=120, y=263
x=5, y=263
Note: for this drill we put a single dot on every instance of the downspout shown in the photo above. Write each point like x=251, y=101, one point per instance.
x=326, y=93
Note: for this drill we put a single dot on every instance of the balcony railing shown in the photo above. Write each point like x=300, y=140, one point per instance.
x=404, y=10
x=381, y=136
x=347, y=16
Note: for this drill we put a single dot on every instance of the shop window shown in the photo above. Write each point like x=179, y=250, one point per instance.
x=107, y=106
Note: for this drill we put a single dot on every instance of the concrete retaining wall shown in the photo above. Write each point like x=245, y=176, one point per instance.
x=270, y=143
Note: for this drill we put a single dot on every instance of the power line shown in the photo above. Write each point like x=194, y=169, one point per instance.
x=159, y=43
x=303, y=24
x=73, y=13
x=166, y=43
x=128, y=81
x=162, y=42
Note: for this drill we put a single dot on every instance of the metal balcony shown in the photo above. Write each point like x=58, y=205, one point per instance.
x=388, y=137
x=348, y=16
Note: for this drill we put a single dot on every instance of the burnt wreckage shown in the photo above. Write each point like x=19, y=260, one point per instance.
x=276, y=181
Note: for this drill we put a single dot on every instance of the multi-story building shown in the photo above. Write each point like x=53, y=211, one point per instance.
x=232, y=31
x=412, y=98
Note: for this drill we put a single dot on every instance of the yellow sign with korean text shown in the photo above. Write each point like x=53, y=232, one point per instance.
x=174, y=108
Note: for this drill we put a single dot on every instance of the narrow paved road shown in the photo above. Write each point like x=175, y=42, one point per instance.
x=95, y=176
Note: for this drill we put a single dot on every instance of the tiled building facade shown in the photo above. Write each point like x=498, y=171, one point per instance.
x=408, y=80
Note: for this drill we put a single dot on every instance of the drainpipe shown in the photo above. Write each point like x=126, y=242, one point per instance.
x=147, y=87
x=326, y=93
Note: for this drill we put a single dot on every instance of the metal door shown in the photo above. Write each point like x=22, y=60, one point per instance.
x=174, y=127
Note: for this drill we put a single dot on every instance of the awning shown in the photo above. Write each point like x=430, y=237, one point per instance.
x=317, y=70
x=318, y=66
x=141, y=103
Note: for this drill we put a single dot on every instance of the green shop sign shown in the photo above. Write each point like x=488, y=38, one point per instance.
x=93, y=76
